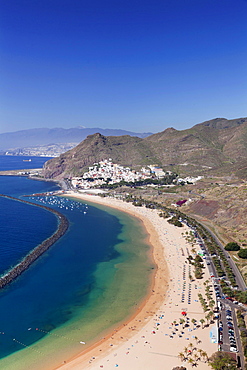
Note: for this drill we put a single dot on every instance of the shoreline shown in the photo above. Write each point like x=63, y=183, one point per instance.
x=100, y=353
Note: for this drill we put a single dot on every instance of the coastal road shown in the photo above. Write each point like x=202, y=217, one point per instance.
x=239, y=279
x=226, y=342
x=226, y=304
x=238, y=276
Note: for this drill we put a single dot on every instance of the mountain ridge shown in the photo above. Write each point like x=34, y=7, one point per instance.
x=46, y=136
x=202, y=149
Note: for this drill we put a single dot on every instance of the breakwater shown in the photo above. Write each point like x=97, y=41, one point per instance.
x=18, y=269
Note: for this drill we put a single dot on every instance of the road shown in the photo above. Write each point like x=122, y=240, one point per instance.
x=225, y=304
x=239, y=279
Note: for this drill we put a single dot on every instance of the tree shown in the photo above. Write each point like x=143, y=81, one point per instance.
x=181, y=321
x=211, y=304
x=242, y=253
x=232, y=246
x=204, y=355
x=242, y=296
x=208, y=318
x=182, y=356
x=198, y=259
x=222, y=361
x=193, y=321
x=191, y=361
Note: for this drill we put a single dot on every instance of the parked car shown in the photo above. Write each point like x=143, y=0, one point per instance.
x=233, y=349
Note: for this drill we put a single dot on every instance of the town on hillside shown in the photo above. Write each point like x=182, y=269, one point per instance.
x=106, y=173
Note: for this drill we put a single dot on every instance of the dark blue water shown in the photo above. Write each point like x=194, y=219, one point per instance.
x=9, y=162
x=61, y=279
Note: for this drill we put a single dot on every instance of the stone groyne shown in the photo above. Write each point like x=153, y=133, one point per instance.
x=37, y=251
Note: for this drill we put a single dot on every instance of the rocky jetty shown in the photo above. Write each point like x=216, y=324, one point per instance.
x=40, y=249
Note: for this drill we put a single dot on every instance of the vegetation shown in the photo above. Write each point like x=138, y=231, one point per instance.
x=166, y=180
x=222, y=361
x=192, y=355
x=243, y=332
x=220, y=261
x=242, y=253
x=232, y=246
x=175, y=221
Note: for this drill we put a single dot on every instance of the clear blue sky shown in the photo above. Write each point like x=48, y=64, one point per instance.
x=140, y=65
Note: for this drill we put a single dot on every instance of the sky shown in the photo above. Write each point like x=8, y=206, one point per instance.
x=139, y=65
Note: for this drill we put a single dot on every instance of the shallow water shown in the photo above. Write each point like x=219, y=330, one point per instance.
x=91, y=279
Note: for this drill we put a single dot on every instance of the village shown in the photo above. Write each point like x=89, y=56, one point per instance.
x=107, y=172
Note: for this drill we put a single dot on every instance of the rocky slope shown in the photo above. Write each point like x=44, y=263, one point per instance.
x=216, y=147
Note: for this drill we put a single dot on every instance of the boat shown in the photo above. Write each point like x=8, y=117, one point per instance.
x=27, y=160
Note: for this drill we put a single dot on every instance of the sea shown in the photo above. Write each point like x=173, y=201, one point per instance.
x=89, y=281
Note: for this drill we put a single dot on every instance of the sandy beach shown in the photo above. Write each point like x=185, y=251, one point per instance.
x=158, y=334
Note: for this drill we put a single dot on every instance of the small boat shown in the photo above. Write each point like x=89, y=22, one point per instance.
x=27, y=160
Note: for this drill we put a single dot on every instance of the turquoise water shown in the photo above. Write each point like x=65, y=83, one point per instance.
x=86, y=272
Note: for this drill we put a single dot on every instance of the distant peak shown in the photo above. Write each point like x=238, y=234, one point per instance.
x=170, y=129
x=95, y=136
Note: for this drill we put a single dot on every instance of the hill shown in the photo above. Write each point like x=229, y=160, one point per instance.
x=216, y=147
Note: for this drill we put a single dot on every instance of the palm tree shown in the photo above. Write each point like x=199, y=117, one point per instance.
x=191, y=345
x=200, y=351
x=193, y=321
x=181, y=356
x=182, y=321
x=207, y=289
x=191, y=361
x=208, y=317
x=196, y=357
x=211, y=304
x=204, y=355
x=202, y=321
x=211, y=315
x=196, y=339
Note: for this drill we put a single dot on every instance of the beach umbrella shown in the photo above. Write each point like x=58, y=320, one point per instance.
x=184, y=313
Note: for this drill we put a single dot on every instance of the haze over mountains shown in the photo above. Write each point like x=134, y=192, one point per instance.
x=46, y=136
x=215, y=147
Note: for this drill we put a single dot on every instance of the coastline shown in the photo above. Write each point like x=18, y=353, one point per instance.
x=141, y=328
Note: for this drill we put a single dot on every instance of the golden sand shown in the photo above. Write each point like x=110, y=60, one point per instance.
x=152, y=338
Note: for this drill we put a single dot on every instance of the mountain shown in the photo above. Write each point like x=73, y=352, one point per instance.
x=127, y=150
x=45, y=136
x=216, y=147
x=220, y=123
